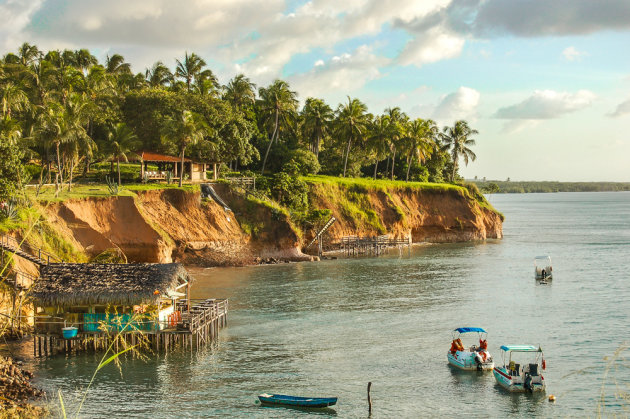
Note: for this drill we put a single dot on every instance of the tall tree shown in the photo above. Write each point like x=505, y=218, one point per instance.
x=378, y=139
x=277, y=104
x=240, y=92
x=189, y=68
x=158, y=75
x=122, y=142
x=116, y=65
x=317, y=117
x=456, y=139
x=13, y=99
x=396, y=127
x=207, y=84
x=188, y=129
x=352, y=123
x=84, y=60
x=28, y=54
x=420, y=138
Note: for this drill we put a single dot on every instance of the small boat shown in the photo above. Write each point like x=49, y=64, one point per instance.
x=295, y=401
x=475, y=357
x=516, y=378
x=542, y=268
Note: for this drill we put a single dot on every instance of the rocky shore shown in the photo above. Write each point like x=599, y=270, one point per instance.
x=16, y=391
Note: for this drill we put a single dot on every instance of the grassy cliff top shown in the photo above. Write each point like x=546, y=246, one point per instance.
x=98, y=190
x=381, y=184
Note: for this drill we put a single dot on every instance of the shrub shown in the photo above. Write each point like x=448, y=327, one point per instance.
x=289, y=191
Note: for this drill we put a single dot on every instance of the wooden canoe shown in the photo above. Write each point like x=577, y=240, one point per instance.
x=283, y=400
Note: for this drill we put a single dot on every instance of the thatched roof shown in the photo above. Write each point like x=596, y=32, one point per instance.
x=69, y=284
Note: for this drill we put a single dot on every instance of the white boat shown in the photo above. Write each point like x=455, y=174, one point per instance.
x=521, y=378
x=542, y=268
x=476, y=357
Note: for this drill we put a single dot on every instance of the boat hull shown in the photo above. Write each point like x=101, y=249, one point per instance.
x=465, y=360
x=295, y=401
x=516, y=384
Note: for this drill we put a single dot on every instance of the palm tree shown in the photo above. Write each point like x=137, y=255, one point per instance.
x=396, y=127
x=84, y=60
x=64, y=126
x=277, y=102
x=116, y=65
x=240, y=92
x=317, y=116
x=122, y=142
x=28, y=54
x=420, y=138
x=158, y=75
x=378, y=140
x=352, y=123
x=13, y=99
x=189, y=68
x=186, y=130
x=456, y=139
x=207, y=84
x=10, y=130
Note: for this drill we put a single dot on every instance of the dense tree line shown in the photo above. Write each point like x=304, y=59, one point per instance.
x=66, y=111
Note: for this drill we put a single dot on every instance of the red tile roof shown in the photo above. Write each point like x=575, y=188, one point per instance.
x=157, y=157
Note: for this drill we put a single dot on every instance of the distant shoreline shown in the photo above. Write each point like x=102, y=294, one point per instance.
x=496, y=186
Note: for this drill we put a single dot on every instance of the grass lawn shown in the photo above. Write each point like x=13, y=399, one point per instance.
x=99, y=190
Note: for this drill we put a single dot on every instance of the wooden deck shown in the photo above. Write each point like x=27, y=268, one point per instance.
x=374, y=246
x=197, y=327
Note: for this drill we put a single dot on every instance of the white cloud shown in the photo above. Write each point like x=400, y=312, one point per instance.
x=432, y=46
x=461, y=104
x=622, y=109
x=16, y=15
x=572, y=54
x=547, y=104
x=340, y=75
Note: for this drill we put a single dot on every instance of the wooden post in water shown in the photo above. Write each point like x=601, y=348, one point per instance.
x=369, y=398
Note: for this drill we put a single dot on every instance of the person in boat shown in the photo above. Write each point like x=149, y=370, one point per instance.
x=456, y=345
x=544, y=274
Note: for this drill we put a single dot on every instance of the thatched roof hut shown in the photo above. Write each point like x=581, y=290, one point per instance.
x=73, y=284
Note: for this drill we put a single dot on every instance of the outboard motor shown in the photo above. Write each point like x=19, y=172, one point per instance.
x=527, y=384
x=479, y=361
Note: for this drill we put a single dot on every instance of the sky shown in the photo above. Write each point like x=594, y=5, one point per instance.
x=546, y=83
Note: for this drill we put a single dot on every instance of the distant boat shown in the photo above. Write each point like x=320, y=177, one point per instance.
x=542, y=268
x=294, y=401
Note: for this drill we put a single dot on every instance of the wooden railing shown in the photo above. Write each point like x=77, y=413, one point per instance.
x=243, y=181
x=202, y=313
x=35, y=255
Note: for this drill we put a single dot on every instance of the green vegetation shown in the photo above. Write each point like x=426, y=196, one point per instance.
x=71, y=116
x=497, y=186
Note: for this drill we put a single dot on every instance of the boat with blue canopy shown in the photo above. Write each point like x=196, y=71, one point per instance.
x=521, y=376
x=475, y=357
x=296, y=401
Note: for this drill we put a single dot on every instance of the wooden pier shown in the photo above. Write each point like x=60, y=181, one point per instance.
x=193, y=330
x=370, y=246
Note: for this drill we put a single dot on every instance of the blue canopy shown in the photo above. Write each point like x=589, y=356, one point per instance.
x=470, y=329
x=520, y=348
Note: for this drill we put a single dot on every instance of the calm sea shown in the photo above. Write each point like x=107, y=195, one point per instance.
x=329, y=328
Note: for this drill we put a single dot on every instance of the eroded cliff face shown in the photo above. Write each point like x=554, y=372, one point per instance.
x=435, y=216
x=174, y=225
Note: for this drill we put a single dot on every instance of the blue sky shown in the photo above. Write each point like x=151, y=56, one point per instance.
x=546, y=83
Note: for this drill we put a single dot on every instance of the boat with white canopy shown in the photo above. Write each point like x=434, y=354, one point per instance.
x=523, y=376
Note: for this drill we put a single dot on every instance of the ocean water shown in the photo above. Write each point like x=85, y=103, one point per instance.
x=329, y=328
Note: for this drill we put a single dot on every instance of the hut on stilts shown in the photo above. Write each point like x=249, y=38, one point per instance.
x=88, y=306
